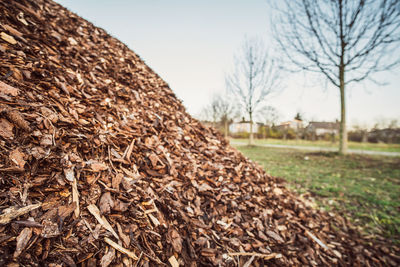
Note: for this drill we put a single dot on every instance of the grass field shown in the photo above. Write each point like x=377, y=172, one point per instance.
x=319, y=143
x=366, y=189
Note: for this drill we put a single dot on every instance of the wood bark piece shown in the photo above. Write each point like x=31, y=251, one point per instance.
x=22, y=241
x=101, y=219
x=8, y=38
x=120, y=248
x=8, y=89
x=172, y=260
x=11, y=213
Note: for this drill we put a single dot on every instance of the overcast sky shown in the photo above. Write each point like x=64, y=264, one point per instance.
x=191, y=44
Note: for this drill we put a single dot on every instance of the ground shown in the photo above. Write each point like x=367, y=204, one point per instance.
x=366, y=189
x=328, y=144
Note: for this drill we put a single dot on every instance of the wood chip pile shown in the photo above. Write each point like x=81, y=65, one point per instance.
x=101, y=165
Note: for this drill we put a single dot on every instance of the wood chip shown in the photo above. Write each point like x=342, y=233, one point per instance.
x=17, y=157
x=75, y=198
x=172, y=260
x=6, y=129
x=120, y=249
x=22, y=241
x=11, y=213
x=89, y=129
x=8, y=38
x=8, y=89
x=101, y=219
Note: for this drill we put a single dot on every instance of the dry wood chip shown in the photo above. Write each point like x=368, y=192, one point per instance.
x=17, y=157
x=86, y=98
x=123, y=236
x=101, y=219
x=116, y=181
x=172, y=260
x=175, y=239
x=120, y=249
x=8, y=38
x=264, y=256
x=69, y=174
x=12, y=30
x=65, y=211
x=22, y=241
x=106, y=203
x=8, y=89
x=275, y=236
x=75, y=197
x=13, y=212
x=50, y=229
x=108, y=257
x=6, y=129
x=97, y=166
x=17, y=118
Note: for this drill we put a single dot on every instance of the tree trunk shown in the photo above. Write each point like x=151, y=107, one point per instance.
x=226, y=129
x=251, y=137
x=343, y=130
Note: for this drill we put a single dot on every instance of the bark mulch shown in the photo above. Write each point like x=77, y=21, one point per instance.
x=101, y=165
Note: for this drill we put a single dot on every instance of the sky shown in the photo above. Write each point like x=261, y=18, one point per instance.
x=191, y=45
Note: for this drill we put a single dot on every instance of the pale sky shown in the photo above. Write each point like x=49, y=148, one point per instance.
x=191, y=44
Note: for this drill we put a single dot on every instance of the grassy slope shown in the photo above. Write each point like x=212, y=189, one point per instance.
x=352, y=145
x=365, y=188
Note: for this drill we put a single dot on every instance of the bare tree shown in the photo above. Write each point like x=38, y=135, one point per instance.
x=345, y=40
x=211, y=111
x=227, y=111
x=220, y=109
x=254, y=77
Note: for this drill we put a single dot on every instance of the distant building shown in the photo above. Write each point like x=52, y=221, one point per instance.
x=322, y=127
x=243, y=127
x=294, y=124
x=388, y=135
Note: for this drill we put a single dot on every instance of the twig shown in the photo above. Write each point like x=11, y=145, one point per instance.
x=255, y=254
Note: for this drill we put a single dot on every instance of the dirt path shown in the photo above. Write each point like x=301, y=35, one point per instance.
x=317, y=148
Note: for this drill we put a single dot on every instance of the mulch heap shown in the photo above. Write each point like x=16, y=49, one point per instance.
x=101, y=165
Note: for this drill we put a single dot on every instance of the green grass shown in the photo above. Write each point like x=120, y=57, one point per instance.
x=366, y=189
x=320, y=143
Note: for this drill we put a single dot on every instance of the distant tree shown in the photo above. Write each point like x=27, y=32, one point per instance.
x=227, y=111
x=211, y=111
x=344, y=40
x=394, y=123
x=269, y=115
x=298, y=117
x=253, y=79
x=221, y=109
